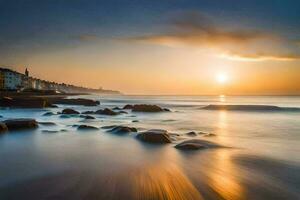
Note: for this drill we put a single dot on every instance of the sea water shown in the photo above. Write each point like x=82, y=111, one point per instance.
x=262, y=161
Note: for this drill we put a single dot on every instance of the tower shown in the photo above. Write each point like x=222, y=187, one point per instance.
x=26, y=72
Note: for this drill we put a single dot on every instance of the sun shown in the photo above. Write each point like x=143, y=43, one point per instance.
x=222, y=78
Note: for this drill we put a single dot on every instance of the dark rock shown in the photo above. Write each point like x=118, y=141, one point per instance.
x=122, y=112
x=146, y=108
x=167, y=110
x=89, y=117
x=106, y=111
x=69, y=111
x=50, y=131
x=88, y=112
x=135, y=120
x=47, y=123
x=80, y=101
x=210, y=135
x=86, y=127
x=48, y=114
x=24, y=102
x=3, y=127
x=18, y=124
x=190, y=146
x=243, y=107
x=117, y=108
x=155, y=136
x=196, y=144
x=1, y=116
x=109, y=127
x=192, y=133
x=122, y=129
x=128, y=106
x=53, y=106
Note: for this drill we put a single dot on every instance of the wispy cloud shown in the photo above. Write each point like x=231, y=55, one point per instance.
x=196, y=30
x=87, y=37
x=261, y=57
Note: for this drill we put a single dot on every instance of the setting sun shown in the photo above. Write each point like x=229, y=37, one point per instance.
x=222, y=78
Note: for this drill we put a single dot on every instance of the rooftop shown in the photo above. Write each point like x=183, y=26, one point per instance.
x=9, y=70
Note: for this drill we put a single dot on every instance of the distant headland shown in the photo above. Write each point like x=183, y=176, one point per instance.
x=13, y=81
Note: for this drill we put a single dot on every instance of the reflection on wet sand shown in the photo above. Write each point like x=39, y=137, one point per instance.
x=159, y=182
x=166, y=182
x=223, y=178
x=222, y=122
x=170, y=175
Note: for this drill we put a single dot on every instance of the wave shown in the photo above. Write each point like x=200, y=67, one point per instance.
x=250, y=108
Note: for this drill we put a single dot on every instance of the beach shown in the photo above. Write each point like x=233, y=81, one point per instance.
x=256, y=156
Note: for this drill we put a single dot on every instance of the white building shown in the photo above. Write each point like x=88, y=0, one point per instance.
x=12, y=80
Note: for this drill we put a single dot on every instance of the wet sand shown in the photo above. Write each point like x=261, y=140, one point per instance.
x=152, y=172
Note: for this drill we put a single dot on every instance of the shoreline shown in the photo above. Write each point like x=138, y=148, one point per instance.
x=42, y=99
x=37, y=94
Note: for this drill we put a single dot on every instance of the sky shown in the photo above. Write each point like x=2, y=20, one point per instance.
x=187, y=47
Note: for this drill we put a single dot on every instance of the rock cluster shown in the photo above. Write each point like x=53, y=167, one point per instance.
x=42, y=102
x=122, y=129
x=86, y=127
x=196, y=144
x=106, y=111
x=69, y=111
x=18, y=124
x=47, y=123
x=24, y=102
x=48, y=114
x=155, y=136
x=243, y=107
x=79, y=101
x=88, y=117
x=145, y=108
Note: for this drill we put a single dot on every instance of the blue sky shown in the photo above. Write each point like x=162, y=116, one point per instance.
x=57, y=20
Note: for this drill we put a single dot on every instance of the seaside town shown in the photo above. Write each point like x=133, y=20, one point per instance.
x=11, y=80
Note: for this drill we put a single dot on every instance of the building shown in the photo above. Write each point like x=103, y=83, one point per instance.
x=26, y=72
x=1, y=80
x=11, y=80
x=26, y=80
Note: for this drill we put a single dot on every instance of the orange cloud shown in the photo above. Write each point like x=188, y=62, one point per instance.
x=196, y=30
x=260, y=57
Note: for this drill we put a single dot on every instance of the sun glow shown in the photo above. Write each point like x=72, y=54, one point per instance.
x=222, y=78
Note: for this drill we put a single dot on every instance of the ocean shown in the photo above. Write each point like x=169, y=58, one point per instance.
x=261, y=159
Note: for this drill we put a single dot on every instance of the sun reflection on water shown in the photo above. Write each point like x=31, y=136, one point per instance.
x=165, y=181
x=223, y=179
x=222, y=98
